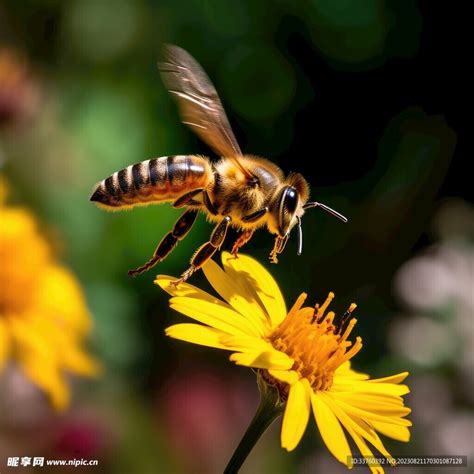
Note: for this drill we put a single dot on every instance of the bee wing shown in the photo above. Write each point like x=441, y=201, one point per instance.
x=198, y=102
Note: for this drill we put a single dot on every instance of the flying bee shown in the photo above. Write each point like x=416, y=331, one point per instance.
x=241, y=191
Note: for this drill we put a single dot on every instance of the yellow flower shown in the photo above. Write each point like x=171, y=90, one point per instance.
x=43, y=315
x=303, y=353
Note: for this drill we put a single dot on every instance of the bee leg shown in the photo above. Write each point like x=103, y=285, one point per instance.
x=256, y=215
x=187, y=198
x=169, y=241
x=244, y=237
x=278, y=247
x=208, y=203
x=247, y=234
x=207, y=250
x=274, y=254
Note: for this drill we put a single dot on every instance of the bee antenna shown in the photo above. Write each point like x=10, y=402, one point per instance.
x=325, y=208
x=300, y=237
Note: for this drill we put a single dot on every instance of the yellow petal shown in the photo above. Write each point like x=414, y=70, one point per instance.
x=374, y=466
x=331, y=430
x=379, y=405
x=360, y=425
x=262, y=281
x=76, y=360
x=4, y=343
x=197, y=334
x=344, y=390
x=246, y=343
x=400, y=433
x=220, y=316
x=61, y=342
x=365, y=430
x=60, y=296
x=263, y=360
x=236, y=295
x=347, y=385
x=392, y=378
x=351, y=428
x=184, y=289
x=28, y=336
x=352, y=410
x=45, y=350
x=375, y=397
x=44, y=373
x=286, y=376
x=345, y=371
x=38, y=360
x=296, y=415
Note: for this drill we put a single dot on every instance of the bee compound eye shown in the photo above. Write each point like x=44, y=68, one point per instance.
x=290, y=200
x=287, y=208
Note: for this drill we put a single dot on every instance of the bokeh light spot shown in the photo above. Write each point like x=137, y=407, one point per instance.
x=362, y=34
x=257, y=81
x=100, y=30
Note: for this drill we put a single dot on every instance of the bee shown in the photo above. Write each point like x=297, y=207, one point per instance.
x=245, y=192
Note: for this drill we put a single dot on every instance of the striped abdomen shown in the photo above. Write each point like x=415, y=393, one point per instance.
x=157, y=180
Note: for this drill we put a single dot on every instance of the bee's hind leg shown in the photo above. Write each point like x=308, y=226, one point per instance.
x=169, y=241
x=207, y=250
x=244, y=237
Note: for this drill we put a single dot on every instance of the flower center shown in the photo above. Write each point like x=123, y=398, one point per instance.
x=317, y=345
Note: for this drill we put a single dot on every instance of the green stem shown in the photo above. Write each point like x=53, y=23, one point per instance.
x=269, y=409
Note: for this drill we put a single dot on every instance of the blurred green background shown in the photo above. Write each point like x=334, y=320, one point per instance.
x=364, y=98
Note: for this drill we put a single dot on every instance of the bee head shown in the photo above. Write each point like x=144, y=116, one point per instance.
x=290, y=202
x=291, y=205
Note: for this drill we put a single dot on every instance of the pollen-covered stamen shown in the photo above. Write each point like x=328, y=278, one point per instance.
x=313, y=341
x=346, y=316
x=322, y=309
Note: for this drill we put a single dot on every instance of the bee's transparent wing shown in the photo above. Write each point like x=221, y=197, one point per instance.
x=199, y=105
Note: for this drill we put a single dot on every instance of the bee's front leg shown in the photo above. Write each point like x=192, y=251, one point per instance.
x=273, y=257
x=244, y=237
x=207, y=250
x=278, y=247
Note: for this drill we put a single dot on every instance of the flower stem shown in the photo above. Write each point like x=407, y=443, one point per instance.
x=269, y=409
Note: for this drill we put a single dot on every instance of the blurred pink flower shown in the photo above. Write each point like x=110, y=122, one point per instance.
x=431, y=399
x=19, y=93
x=30, y=426
x=83, y=433
x=204, y=413
x=438, y=331
x=433, y=279
x=22, y=404
x=423, y=340
x=438, y=288
x=455, y=434
x=24, y=413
